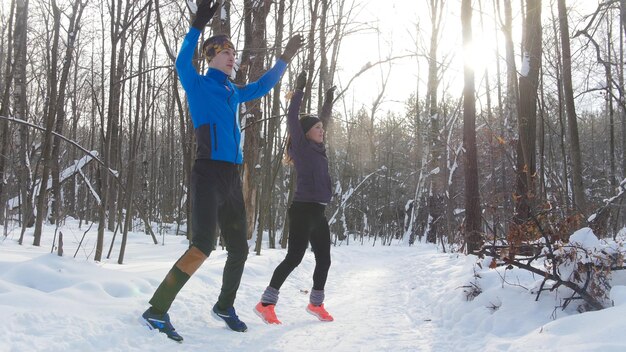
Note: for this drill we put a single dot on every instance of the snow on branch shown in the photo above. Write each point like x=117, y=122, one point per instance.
x=65, y=174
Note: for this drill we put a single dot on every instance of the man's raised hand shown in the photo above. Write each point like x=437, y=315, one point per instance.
x=205, y=12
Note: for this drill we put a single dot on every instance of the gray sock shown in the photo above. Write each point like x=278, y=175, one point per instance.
x=270, y=295
x=317, y=297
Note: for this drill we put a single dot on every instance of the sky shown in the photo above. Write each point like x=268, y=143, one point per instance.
x=392, y=298
x=397, y=21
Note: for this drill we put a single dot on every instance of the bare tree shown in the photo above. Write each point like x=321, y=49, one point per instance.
x=119, y=23
x=6, y=80
x=565, y=199
x=256, y=44
x=49, y=118
x=187, y=136
x=472, y=197
x=436, y=147
x=137, y=131
x=572, y=123
x=21, y=111
x=271, y=126
x=73, y=31
x=54, y=112
x=622, y=95
x=527, y=119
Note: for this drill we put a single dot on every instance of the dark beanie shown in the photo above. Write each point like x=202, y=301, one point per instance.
x=308, y=121
x=213, y=45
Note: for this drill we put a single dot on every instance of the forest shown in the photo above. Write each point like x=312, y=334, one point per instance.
x=529, y=149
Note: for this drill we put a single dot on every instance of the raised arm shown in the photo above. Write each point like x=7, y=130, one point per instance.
x=262, y=86
x=293, y=121
x=184, y=65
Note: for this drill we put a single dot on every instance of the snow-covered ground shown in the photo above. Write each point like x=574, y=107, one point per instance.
x=393, y=298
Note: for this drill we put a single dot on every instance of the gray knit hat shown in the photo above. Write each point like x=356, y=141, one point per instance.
x=308, y=121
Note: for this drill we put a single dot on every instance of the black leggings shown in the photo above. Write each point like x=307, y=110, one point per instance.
x=217, y=199
x=307, y=223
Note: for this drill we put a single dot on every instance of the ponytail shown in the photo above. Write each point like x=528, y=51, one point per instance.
x=287, y=158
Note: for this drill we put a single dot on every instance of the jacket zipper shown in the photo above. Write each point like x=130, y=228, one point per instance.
x=232, y=92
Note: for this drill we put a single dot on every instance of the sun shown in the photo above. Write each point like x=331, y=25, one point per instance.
x=479, y=55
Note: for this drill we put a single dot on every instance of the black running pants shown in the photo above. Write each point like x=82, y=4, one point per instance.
x=307, y=223
x=217, y=199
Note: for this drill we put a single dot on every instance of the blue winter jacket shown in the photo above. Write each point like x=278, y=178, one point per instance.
x=214, y=103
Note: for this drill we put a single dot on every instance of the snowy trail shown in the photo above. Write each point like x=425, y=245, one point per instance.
x=382, y=298
x=390, y=302
x=396, y=298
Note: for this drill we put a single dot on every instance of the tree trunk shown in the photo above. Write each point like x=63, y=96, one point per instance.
x=510, y=101
x=609, y=100
x=221, y=23
x=565, y=200
x=527, y=120
x=5, y=84
x=511, y=107
x=114, y=140
x=473, y=236
x=436, y=164
x=135, y=138
x=49, y=120
x=187, y=135
x=266, y=212
x=72, y=189
x=622, y=97
x=21, y=112
x=572, y=123
x=253, y=113
x=111, y=139
x=72, y=34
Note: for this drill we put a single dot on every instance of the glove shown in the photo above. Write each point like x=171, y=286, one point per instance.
x=327, y=107
x=301, y=81
x=206, y=10
x=293, y=45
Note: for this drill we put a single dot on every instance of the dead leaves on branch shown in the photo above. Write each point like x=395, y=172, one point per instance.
x=542, y=246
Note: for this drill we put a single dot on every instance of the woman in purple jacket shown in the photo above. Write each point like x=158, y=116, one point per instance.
x=307, y=222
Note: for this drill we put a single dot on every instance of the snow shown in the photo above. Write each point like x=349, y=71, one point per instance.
x=584, y=238
x=192, y=6
x=77, y=167
x=383, y=298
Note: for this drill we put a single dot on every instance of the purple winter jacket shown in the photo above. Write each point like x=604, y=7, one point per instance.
x=309, y=158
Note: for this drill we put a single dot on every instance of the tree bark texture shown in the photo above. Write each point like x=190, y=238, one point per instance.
x=472, y=197
x=527, y=119
x=21, y=112
x=253, y=114
x=572, y=121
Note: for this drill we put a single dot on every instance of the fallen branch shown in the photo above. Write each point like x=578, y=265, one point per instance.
x=581, y=292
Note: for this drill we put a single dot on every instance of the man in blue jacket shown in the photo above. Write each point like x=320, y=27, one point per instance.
x=217, y=197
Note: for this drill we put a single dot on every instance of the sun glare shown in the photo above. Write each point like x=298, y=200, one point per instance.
x=404, y=28
x=478, y=55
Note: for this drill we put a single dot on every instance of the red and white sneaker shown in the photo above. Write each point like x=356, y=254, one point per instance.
x=267, y=313
x=319, y=312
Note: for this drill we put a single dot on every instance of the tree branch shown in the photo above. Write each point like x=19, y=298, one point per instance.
x=112, y=172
